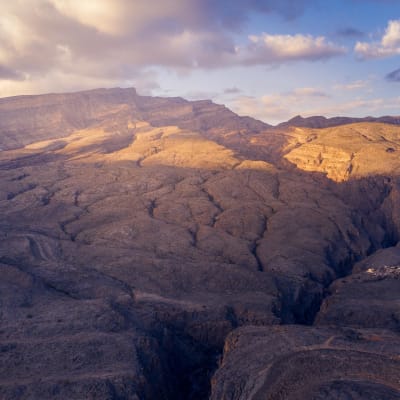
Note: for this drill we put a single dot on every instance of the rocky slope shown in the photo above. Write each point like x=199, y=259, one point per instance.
x=351, y=151
x=142, y=236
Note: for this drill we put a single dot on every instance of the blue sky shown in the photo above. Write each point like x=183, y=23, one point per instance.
x=266, y=58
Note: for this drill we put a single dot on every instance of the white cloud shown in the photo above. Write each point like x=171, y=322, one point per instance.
x=268, y=48
x=117, y=41
x=388, y=46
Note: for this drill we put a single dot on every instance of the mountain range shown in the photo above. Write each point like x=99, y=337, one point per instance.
x=158, y=248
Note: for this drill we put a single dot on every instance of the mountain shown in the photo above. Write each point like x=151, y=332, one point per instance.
x=157, y=248
x=323, y=122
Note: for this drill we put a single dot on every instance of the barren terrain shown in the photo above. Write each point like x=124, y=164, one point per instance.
x=155, y=248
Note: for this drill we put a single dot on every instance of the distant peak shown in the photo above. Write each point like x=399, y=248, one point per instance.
x=319, y=121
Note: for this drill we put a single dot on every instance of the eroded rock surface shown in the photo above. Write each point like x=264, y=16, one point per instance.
x=138, y=232
x=294, y=362
x=356, y=150
x=369, y=297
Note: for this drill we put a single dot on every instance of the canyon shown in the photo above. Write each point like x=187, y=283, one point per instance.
x=158, y=248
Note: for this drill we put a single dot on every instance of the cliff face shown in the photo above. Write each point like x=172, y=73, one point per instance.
x=139, y=236
x=351, y=151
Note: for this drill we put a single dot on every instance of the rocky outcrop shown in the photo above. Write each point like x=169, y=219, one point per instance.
x=294, y=362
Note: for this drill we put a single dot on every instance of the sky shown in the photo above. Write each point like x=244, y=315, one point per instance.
x=270, y=59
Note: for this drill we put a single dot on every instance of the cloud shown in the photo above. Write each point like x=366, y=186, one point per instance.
x=200, y=95
x=358, y=107
x=123, y=16
x=232, y=90
x=350, y=33
x=388, y=46
x=266, y=48
x=10, y=74
x=118, y=41
x=278, y=107
x=393, y=76
x=359, y=84
x=308, y=92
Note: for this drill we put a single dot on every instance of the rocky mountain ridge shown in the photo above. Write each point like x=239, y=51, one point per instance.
x=155, y=248
x=323, y=122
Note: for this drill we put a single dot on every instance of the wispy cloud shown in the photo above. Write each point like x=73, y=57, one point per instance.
x=358, y=107
x=278, y=107
x=200, y=95
x=351, y=33
x=355, y=85
x=307, y=92
x=232, y=90
x=388, y=46
x=268, y=48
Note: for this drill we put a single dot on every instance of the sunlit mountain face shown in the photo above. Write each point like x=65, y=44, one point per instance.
x=205, y=206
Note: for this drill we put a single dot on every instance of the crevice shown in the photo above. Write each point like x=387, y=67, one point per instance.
x=20, y=177
x=254, y=246
x=253, y=250
x=193, y=233
x=46, y=199
x=212, y=200
x=189, y=362
x=193, y=363
x=151, y=207
x=63, y=227
x=59, y=290
x=76, y=198
x=28, y=188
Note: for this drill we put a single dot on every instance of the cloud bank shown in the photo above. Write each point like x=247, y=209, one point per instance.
x=44, y=43
x=388, y=46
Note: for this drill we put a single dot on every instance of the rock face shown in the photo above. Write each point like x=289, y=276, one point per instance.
x=351, y=151
x=139, y=236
